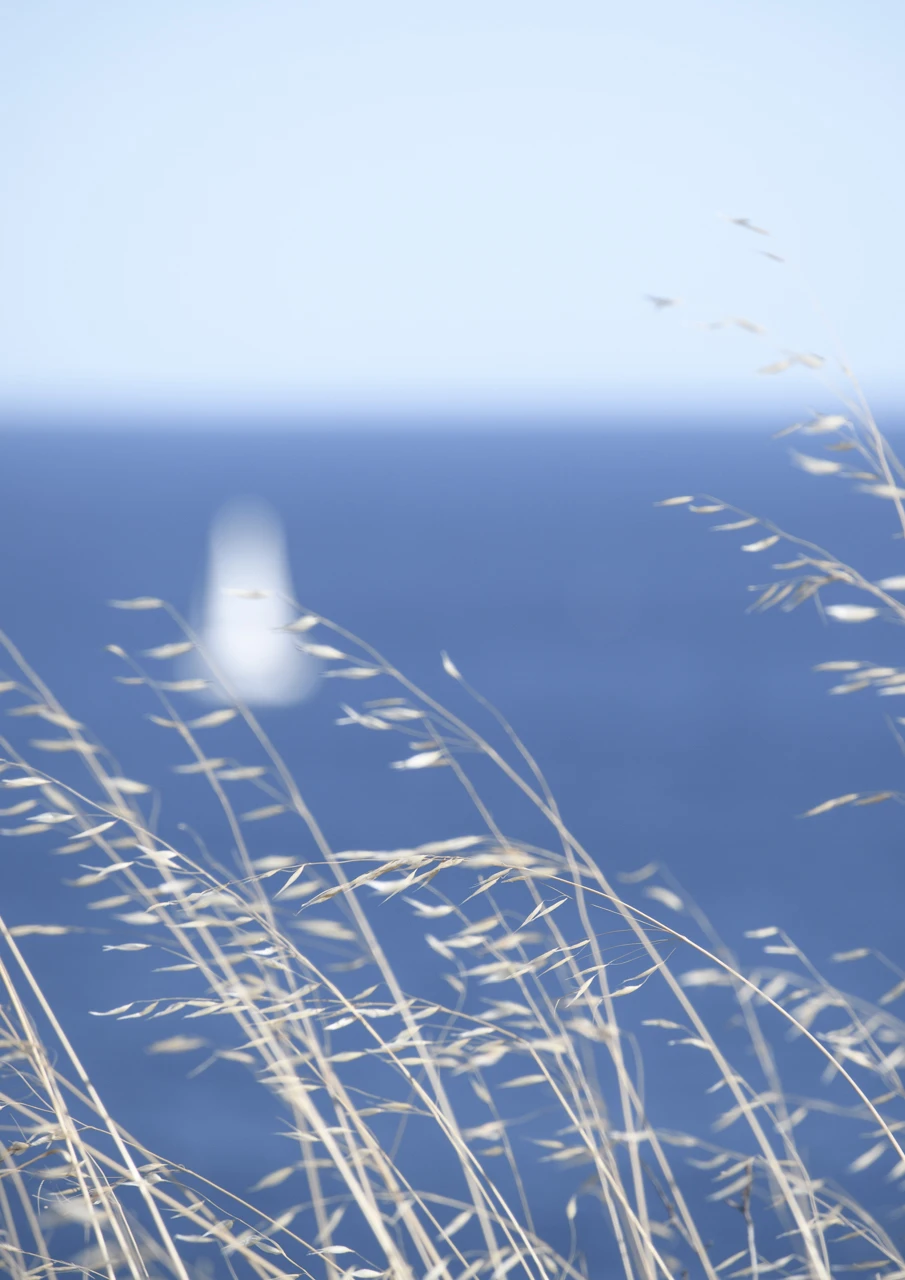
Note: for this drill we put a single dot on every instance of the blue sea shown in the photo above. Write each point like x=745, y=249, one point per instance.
x=672, y=724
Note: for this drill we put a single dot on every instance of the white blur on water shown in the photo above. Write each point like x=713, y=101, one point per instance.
x=261, y=664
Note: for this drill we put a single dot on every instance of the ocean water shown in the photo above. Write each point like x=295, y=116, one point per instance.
x=672, y=725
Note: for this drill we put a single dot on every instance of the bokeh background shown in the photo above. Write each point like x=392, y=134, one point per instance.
x=385, y=268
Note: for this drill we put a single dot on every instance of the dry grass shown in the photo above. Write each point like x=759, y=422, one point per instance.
x=567, y=1003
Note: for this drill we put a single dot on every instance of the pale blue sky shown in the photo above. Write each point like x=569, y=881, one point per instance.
x=383, y=205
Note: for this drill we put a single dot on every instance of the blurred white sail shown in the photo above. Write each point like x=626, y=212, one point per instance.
x=240, y=634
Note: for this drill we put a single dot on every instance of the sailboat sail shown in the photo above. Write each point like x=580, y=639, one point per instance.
x=246, y=602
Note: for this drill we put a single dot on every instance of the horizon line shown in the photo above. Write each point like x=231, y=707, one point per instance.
x=426, y=419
